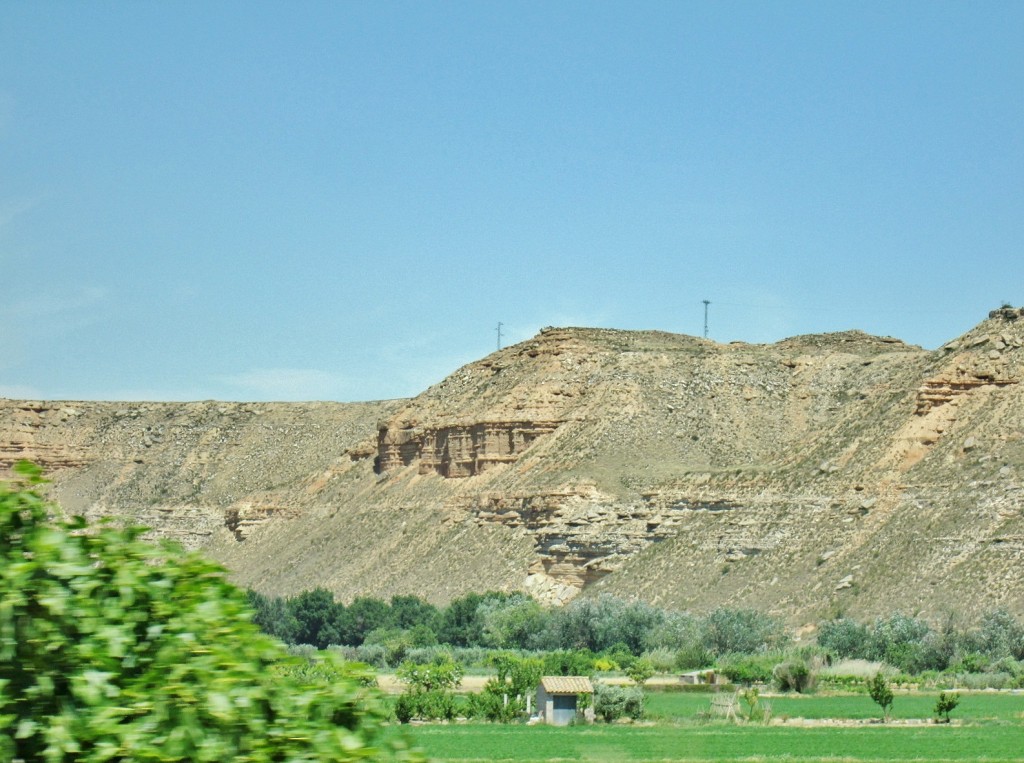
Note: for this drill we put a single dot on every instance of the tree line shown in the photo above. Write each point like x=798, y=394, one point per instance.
x=497, y=620
x=608, y=625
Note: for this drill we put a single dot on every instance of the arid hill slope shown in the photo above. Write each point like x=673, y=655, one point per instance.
x=821, y=474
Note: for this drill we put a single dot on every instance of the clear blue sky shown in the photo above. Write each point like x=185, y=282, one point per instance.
x=340, y=200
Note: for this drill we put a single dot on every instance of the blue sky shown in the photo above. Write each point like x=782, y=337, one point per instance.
x=340, y=201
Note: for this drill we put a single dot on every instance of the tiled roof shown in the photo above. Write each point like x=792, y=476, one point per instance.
x=567, y=685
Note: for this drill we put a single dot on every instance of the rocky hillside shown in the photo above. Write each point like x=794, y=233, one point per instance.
x=821, y=474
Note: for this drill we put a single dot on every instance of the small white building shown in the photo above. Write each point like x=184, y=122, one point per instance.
x=557, y=699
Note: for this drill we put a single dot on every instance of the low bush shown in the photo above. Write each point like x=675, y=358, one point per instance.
x=749, y=669
x=614, y=702
x=979, y=681
x=794, y=674
x=434, y=705
x=494, y=704
x=756, y=710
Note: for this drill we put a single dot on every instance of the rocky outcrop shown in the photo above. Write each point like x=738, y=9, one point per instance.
x=982, y=359
x=457, y=450
x=581, y=535
x=30, y=436
x=243, y=519
x=942, y=390
x=795, y=477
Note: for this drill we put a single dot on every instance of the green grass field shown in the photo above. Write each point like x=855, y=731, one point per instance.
x=992, y=730
x=974, y=707
x=708, y=743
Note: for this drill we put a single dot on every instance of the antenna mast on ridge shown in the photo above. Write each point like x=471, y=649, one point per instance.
x=706, y=303
x=500, y=324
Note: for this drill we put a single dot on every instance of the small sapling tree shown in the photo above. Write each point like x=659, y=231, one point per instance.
x=880, y=692
x=945, y=705
x=640, y=671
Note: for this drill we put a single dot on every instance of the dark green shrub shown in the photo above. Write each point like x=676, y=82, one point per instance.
x=436, y=705
x=794, y=674
x=972, y=662
x=748, y=669
x=945, y=705
x=432, y=705
x=620, y=654
x=496, y=703
x=406, y=706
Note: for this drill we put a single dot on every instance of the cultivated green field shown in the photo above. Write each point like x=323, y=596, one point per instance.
x=990, y=728
x=974, y=707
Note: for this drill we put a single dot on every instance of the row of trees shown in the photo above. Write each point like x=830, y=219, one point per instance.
x=607, y=625
x=515, y=621
x=914, y=646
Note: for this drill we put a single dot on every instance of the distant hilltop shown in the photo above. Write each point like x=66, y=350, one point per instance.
x=821, y=474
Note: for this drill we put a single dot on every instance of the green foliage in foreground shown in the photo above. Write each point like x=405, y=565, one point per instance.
x=112, y=649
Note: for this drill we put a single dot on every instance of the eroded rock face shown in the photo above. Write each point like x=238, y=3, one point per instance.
x=457, y=450
x=581, y=535
x=794, y=477
x=29, y=431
